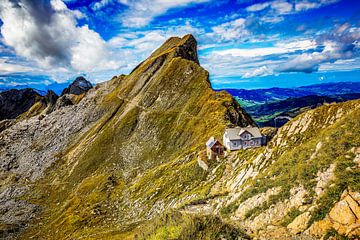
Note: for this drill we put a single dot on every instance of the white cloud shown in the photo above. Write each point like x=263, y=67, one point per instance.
x=278, y=6
x=258, y=72
x=306, y=5
x=284, y=7
x=91, y=53
x=340, y=44
x=230, y=30
x=298, y=44
x=258, y=7
x=101, y=4
x=252, y=62
x=46, y=32
x=272, y=19
x=8, y=67
x=273, y=11
x=279, y=48
x=252, y=52
x=341, y=65
x=141, y=12
x=136, y=46
x=281, y=7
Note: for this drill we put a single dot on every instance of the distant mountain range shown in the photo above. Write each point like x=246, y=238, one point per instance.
x=278, y=104
x=14, y=102
x=41, y=89
x=275, y=94
x=282, y=111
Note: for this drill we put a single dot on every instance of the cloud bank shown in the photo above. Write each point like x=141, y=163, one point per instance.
x=342, y=43
x=243, y=40
x=141, y=12
x=46, y=32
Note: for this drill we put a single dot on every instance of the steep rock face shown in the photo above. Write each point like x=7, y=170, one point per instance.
x=79, y=86
x=50, y=100
x=15, y=102
x=123, y=154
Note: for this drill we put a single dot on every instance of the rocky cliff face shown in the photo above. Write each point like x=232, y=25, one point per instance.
x=15, y=102
x=123, y=161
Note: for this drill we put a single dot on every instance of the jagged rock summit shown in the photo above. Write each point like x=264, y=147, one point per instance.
x=185, y=47
x=79, y=86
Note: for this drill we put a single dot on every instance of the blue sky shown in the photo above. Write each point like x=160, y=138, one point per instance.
x=242, y=43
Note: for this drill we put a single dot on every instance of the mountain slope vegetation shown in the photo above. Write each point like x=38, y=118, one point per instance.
x=124, y=163
x=309, y=166
x=121, y=165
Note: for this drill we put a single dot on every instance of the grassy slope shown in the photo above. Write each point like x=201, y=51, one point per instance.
x=290, y=166
x=293, y=166
x=176, y=225
x=140, y=160
x=140, y=156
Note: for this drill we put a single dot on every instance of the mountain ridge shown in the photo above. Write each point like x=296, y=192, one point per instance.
x=123, y=163
x=275, y=93
x=155, y=116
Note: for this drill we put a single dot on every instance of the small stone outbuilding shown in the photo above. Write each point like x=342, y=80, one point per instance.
x=214, y=149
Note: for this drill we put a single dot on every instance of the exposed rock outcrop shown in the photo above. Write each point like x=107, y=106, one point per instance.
x=30, y=146
x=343, y=217
x=79, y=86
x=300, y=223
x=50, y=100
x=6, y=123
x=15, y=102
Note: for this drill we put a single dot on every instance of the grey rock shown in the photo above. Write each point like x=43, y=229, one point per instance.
x=79, y=86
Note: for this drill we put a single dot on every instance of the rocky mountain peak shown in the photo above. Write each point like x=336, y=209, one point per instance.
x=79, y=86
x=185, y=47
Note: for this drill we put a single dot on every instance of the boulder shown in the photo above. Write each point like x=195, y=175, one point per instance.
x=343, y=217
x=346, y=213
x=299, y=224
x=63, y=101
x=320, y=228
